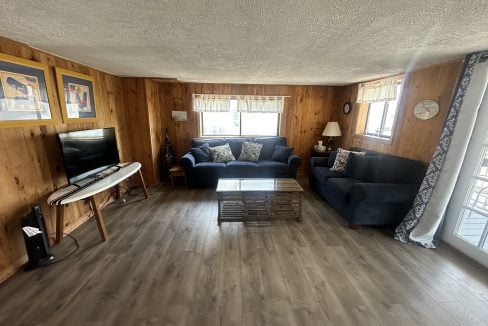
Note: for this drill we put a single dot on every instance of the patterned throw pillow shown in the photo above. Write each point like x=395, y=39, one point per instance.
x=341, y=159
x=222, y=154
x=250, y=151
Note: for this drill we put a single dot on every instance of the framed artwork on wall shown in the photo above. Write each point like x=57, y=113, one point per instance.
x=25, y=93
x=77, y=96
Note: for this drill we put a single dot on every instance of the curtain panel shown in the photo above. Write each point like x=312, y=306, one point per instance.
x=424, y=218
x=211, y=103
x=378, y=91
x=244, y=103
x=264, y=104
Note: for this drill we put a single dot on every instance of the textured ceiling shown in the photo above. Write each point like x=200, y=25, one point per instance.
x=326, y=42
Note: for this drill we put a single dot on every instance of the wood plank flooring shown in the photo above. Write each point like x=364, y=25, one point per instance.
x=168, y=263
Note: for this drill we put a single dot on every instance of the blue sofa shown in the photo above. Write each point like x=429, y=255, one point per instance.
x=206, y=174
x=377, y=189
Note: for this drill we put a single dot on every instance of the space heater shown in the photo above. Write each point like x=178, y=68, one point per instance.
x=36, y=239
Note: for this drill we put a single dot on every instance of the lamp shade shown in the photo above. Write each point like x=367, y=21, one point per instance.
x=332, y=130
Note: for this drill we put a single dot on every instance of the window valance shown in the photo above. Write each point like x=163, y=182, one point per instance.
x=383, y=90
x=245, y=103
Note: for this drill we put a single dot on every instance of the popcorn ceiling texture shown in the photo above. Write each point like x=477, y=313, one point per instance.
x=256, y=41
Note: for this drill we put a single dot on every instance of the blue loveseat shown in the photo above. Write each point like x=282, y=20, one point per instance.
x=376, y=189
x=206, y=174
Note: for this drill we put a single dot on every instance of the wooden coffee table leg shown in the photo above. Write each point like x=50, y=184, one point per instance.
x=143, y=184
x=219, y=221
x=99, y=219
x=59, y=223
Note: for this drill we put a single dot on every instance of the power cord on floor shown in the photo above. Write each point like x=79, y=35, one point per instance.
x=69, y=254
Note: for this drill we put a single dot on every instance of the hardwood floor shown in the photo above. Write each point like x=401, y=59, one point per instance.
x=168, y=263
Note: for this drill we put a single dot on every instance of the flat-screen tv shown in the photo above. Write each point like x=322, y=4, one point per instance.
x=88, y=152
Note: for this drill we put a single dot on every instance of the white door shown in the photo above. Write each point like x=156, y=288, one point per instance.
x=466, y=226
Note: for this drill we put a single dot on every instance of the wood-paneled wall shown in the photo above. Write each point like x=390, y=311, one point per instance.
x=306, y=112
x=31, y=164
x=413, y=138
x=145, y=132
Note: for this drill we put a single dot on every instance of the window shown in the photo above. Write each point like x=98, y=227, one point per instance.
x=381, y=118
x=235, y=123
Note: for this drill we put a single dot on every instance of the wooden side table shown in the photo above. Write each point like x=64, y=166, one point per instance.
x=316, y=153
x=177, y=171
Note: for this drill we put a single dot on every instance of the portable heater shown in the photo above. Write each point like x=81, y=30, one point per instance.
x=36, y=239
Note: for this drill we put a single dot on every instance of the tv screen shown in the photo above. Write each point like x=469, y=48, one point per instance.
x=88, y=152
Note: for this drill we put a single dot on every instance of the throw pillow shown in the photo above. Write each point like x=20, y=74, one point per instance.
x=222, y=154
x=201, y=153
x=341, y=159
x=250, y=151
x=281, y=153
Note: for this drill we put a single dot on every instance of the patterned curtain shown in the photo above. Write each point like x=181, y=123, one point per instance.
x=424, y=218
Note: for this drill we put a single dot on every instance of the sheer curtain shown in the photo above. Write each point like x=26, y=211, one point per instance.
x=383, y=90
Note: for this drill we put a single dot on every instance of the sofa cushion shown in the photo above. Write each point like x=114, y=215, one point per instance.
x=322, y=173
x=250, y=151
x=209, y=168
x=201, y=153
x=221, y=154
x=394, y=169
x=341, y=187
x=241, y=167
x=332, y=158
x=281, y=153
x=272, y=167
x=341, y=159
x=212, y=142
x=236, y=145
x=360, y=167
x=269, y=144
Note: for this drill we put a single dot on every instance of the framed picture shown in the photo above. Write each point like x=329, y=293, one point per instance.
x=77, y=96
x=25, y=93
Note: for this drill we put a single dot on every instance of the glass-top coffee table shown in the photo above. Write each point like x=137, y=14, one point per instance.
x=247, y=199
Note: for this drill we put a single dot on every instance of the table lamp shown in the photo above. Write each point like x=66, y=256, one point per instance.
x=331, y=130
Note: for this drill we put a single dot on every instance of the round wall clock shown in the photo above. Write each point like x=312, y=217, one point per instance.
x=425, y=110
x=347, y=108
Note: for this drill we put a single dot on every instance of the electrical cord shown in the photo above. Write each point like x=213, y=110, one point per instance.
x=69, y=254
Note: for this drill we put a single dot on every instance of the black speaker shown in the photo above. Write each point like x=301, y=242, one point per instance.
x=36, y=239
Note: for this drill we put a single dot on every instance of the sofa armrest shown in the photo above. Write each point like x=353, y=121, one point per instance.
x=293, y=163
x=187, y=161
x=319, y=161
x=383, y=193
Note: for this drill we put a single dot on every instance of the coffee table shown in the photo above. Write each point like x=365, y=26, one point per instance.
x=247, y=199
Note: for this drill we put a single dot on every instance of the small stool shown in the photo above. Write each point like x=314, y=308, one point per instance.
x=177, y=171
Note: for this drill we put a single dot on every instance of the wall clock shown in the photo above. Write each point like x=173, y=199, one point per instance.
x=347, y=108
x=426, y=109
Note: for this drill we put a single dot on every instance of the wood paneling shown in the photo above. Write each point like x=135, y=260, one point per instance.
x=30, y=161
x=413, y=138
x=305, y=114
x=145, y=131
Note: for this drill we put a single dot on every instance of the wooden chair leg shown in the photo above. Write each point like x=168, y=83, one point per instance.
x=143, y=184
x=59, y=223
x=99, y=219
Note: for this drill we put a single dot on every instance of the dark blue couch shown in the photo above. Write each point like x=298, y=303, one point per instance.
x=206, y=174
x=376, y=190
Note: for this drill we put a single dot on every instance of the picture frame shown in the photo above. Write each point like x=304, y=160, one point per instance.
x=77, y=96
x=25, y=93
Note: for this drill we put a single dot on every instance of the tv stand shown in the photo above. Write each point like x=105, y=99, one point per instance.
x=88, y=188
